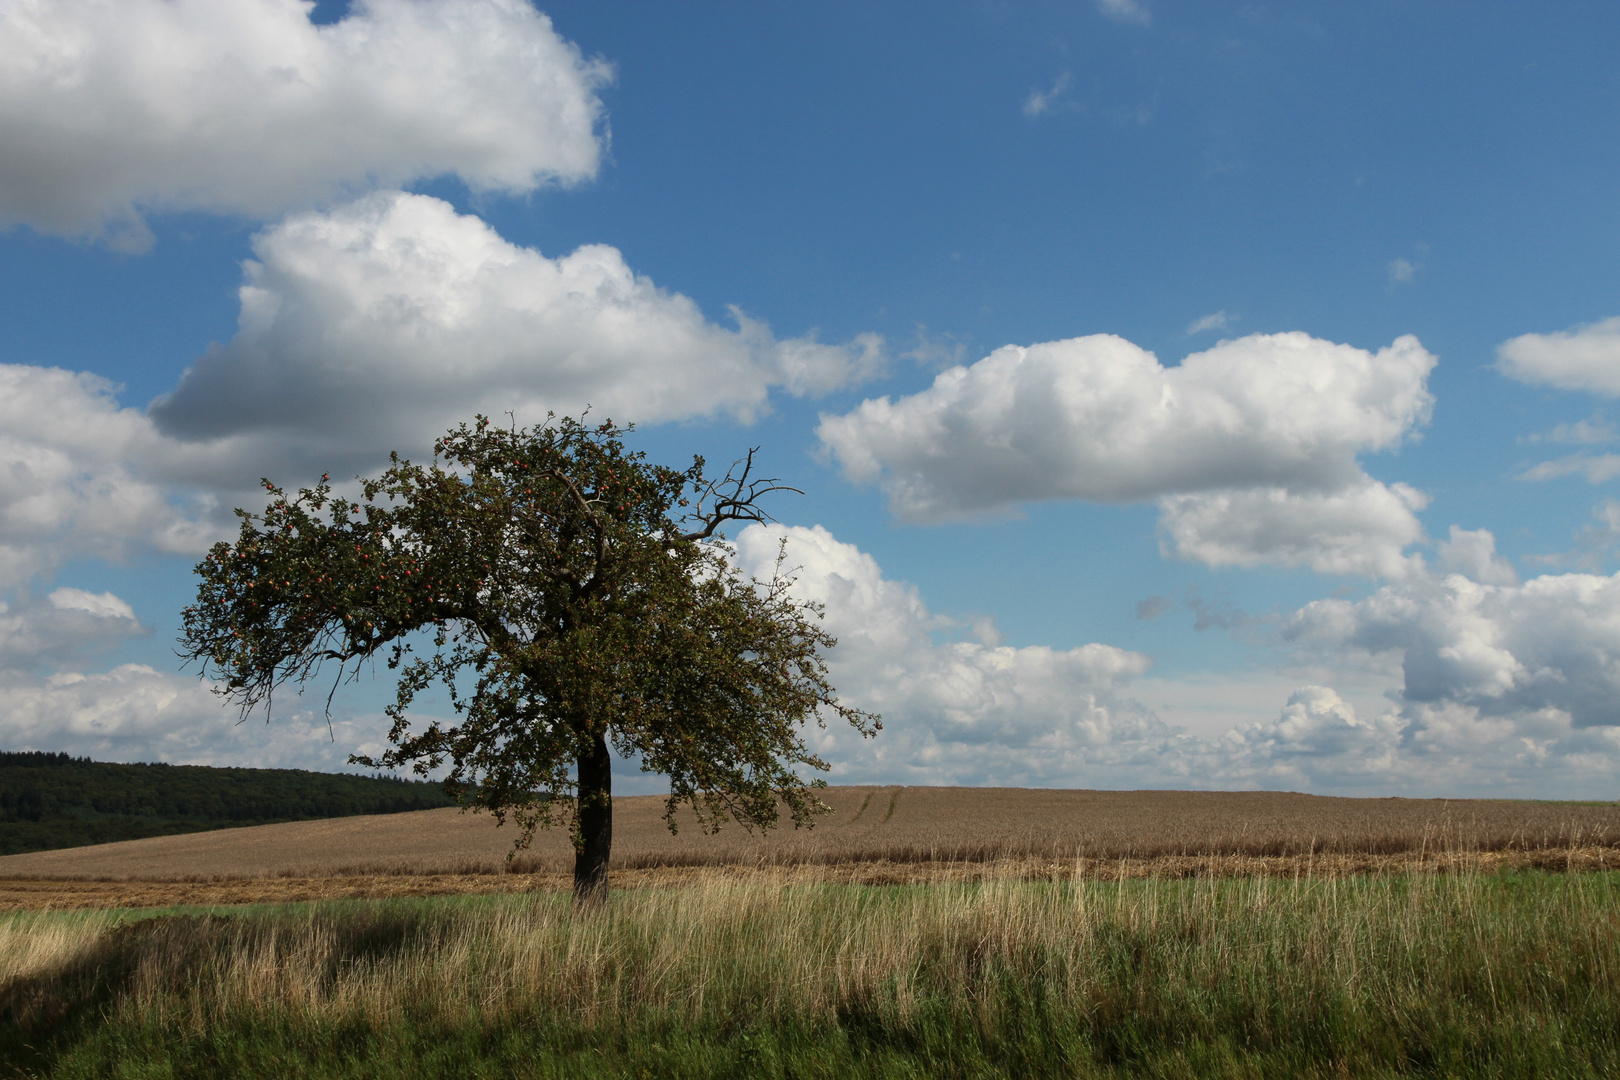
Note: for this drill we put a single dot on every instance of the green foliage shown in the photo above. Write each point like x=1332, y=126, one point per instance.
x=56, y=801
x=566, y=593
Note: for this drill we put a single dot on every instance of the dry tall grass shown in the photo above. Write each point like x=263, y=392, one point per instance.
x=813, y=953
x=32, y=944
x=1346, y=969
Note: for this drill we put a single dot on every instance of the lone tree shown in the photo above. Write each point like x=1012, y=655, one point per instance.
x=569, y=596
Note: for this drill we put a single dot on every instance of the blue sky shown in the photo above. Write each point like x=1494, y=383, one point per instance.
x=1360, y=542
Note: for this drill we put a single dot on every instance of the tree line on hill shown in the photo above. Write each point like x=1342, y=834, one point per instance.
x=56, y=800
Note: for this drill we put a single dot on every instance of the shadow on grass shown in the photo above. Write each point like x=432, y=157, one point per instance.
x=44, y=1017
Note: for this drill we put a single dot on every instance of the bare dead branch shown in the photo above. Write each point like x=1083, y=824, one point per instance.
x=735, y=498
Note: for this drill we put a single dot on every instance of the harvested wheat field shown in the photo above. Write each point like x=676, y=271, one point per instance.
x=873, y=834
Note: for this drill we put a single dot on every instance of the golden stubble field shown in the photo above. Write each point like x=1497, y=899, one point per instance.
x=873, y=834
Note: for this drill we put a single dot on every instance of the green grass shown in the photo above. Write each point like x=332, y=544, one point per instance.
x=1406, y=975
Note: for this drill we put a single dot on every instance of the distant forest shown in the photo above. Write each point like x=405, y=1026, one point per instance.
x=57, y=801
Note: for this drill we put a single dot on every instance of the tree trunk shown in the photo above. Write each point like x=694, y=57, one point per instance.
x=595, y=840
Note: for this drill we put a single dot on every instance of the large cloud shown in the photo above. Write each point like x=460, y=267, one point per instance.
x=1361, y=529
x=136, y=713
x=1503, y=688
x=963, y=711
x=1317, y=742
x=369, y=328
x=1266, y=424
x=1584, y=358
x=384, y=321
x=1547, y=647
x=81, y=476
x=956, y=712
x=109, y=107
x=1099, y=418
x=973, y=712
x=1505, y=692
x=62, y=628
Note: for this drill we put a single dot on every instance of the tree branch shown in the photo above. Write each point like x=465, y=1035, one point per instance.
x=735, y=497
x=601, y=533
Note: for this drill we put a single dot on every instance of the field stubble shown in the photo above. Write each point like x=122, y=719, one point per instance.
x=873, y=835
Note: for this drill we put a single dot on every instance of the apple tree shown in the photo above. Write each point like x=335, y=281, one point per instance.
x=569, y=597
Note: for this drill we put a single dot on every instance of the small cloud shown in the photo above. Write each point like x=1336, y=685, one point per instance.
x=1126, y=11
x=1218, y=321
x=101, y=605
x=1042, y=101
x=1597, y=468
x=937, y=351
x=1218, y=613
x=1592, y=431
x=1581, y=358
x=1153, y=607
x=1595, y=543
x=986, y=630
x=1472, y=553
x=1401, y=271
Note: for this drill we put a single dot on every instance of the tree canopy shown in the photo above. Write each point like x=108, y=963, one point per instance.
x=569, y=596
x=56, y=801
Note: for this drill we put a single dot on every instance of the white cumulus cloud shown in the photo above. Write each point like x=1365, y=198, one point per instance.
x=1099, y=418
x=64, y=629
x=963, y=711
x=97, y=605
x=113, y=107
x=1316, y=742
x=1505, y=687
x=1583, y=358
x=1362, y=529
x=1269, y=424
x=81, y=476
x=370, y=328
x=383, y=322
x=1472, y=553
x=1502, y=714
x=1549, y=646
x=136, y=713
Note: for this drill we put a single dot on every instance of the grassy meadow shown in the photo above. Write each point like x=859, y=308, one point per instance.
x=1514, y=973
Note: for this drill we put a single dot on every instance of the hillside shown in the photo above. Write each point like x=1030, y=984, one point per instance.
x=50, y=801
